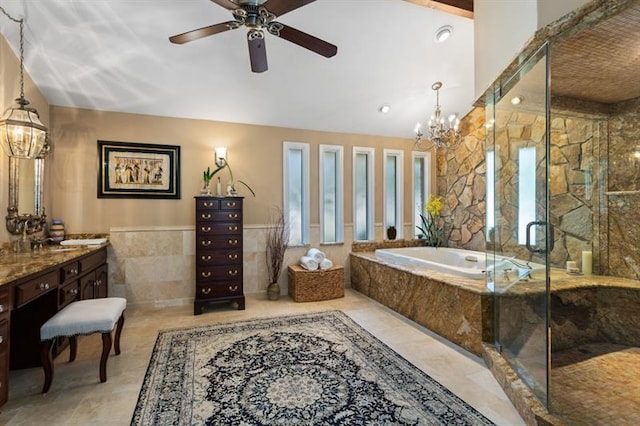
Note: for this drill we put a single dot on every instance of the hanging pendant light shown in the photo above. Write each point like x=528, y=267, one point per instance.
x=22, y=134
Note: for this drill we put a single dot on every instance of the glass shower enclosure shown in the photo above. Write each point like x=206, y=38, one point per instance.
x=519, y=234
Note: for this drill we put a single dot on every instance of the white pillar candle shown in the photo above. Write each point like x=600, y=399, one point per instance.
x=572, y=266
x=587, y=261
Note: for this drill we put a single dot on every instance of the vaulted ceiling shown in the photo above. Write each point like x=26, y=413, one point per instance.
x=115, y=55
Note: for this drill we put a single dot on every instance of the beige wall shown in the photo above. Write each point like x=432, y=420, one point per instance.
x=9, y=91
x=255, y=153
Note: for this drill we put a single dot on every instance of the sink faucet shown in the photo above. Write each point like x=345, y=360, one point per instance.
x=24, y=244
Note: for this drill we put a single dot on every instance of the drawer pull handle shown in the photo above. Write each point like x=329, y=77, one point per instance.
x=73, y=271
x=206, y=274
x=206, y=243
x=205, y=216
x=233, y=228
x=2, y=308
x=206, y=228
x=43, y=286
x=233, y=242
x=233, y=288
x=206, y=290
x=206, y=204
x=231, y=256
x=233, y=215
x=233, y=273
x=206, y=258
x=231, y=203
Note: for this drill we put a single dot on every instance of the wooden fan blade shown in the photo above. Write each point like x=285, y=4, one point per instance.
x=258, y=55
x=305, y=40
x=226, y=4
x=280, y=7
x=203, y=32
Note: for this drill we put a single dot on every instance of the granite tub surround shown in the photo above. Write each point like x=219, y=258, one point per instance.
x=458, y=309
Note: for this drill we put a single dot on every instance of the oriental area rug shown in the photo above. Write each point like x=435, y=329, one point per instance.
x=311, y=369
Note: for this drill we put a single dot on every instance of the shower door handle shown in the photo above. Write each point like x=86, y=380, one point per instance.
x=551, y=240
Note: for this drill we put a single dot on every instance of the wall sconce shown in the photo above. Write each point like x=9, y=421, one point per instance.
x=221, y=156
x=22, y=134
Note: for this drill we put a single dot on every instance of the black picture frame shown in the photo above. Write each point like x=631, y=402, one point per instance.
x=138, y=170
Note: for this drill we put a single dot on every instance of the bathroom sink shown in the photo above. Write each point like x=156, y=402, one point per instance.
x=84, y=242
x=53, y=249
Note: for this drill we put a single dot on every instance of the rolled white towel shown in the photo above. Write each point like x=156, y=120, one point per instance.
x=308, y=263
x=316, y=254
x=326, y=264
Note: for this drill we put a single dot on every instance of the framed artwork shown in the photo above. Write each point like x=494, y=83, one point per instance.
x=138, y=170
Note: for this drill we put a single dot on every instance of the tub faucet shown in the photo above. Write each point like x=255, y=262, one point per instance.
x=505, y=273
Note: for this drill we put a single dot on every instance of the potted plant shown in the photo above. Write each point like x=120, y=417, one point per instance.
x=429, y=227
x=231, y=188
x=207, y=175
x=276, y=246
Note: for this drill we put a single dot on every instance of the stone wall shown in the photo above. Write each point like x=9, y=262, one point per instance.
x=594, y=183
x=623, y=195
x=461, y=184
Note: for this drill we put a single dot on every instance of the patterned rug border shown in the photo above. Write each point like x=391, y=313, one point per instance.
x=473, y=416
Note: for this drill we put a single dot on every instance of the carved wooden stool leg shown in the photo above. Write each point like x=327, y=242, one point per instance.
x=47, y=364
x=106, y=348
x=73, y=348
x=116, y=344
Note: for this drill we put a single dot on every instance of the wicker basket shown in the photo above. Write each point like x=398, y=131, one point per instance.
x=312, y=286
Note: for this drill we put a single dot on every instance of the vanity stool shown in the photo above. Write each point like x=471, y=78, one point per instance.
x=82, y=318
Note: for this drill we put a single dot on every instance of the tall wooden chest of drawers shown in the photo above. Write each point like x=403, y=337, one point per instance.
x=218, y=251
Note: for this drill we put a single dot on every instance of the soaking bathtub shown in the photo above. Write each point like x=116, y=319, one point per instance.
x=460, y=262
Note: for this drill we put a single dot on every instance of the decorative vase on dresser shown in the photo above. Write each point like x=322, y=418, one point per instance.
x=218, y=251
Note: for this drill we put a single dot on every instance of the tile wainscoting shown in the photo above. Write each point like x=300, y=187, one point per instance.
x=154, y=266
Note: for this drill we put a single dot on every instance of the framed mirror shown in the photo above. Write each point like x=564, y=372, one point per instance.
x=26, y=211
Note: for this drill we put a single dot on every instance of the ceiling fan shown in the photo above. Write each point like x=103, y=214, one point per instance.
x=258, y=16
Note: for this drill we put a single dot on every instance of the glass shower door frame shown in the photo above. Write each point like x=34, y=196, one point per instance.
x=520, y=237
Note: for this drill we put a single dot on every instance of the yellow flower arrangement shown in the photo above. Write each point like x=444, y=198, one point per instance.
x=429, y=226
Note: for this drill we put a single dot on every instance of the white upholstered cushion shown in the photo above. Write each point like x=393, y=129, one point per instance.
x=84, y=317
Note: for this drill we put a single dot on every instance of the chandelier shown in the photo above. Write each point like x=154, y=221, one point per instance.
x=22, y=134
x=437, y=134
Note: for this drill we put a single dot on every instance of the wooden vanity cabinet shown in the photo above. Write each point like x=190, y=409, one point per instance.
x=40, y=296
x=218, y=252
x=5, y=308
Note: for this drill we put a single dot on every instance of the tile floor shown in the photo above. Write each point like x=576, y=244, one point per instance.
x=77, y=398
x=597, y=384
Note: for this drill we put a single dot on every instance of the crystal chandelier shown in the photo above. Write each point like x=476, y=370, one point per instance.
x=438, y=134
x=22, y=134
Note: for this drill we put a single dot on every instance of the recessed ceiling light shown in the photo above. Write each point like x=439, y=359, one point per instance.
x=516, y=100
x=384, y=109
x=443, y=33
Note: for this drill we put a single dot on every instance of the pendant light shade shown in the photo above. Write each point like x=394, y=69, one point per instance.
x=22, y=134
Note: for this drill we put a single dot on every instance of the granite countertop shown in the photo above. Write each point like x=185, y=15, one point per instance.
x=14, y=266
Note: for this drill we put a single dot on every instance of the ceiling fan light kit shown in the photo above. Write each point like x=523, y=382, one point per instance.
x=259, y=16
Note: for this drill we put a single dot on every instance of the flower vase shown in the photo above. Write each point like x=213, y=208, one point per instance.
x=206, y=189
x=391, y=233
x=273, y=291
